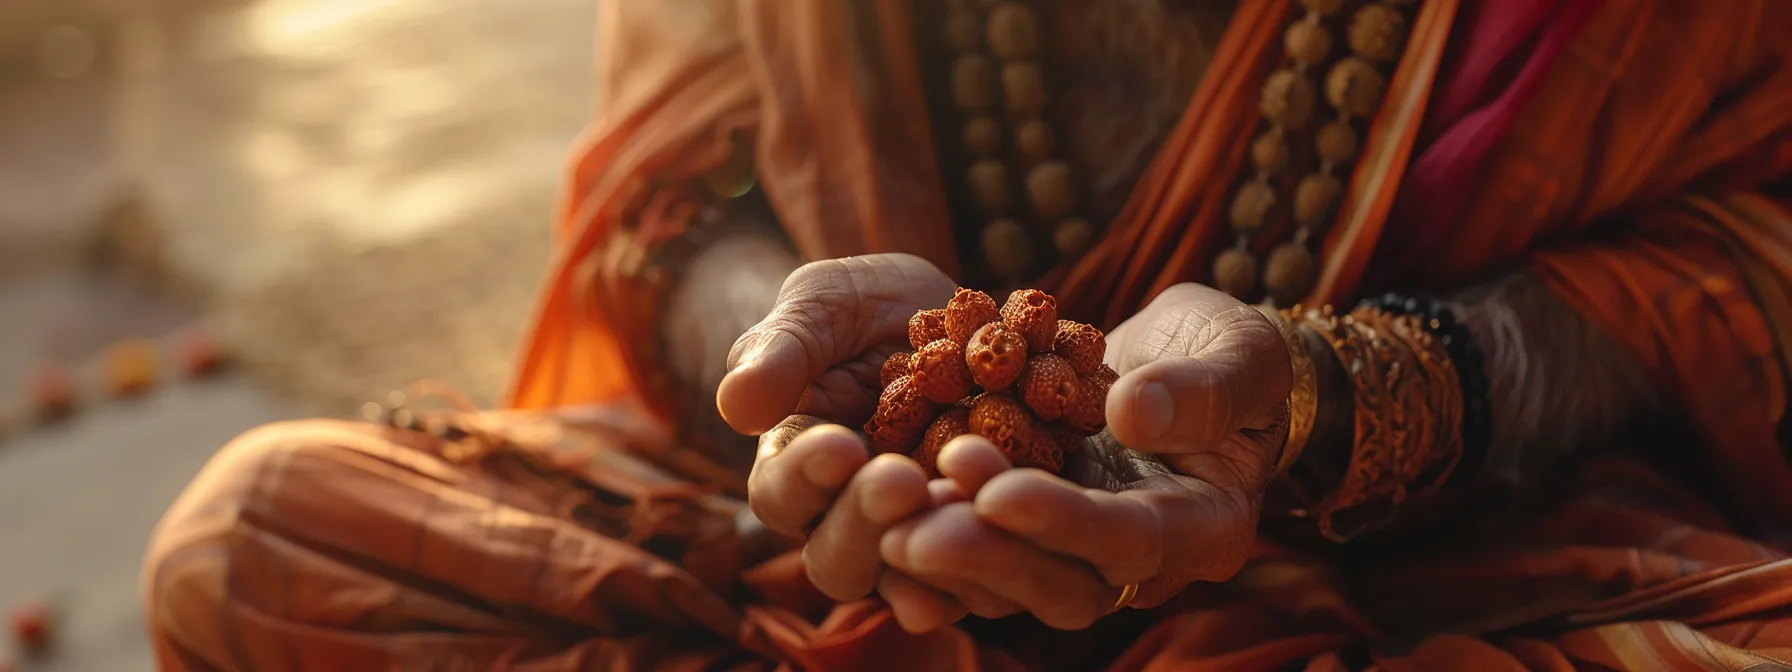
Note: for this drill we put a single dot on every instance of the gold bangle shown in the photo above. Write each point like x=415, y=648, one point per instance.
x=1303, y=397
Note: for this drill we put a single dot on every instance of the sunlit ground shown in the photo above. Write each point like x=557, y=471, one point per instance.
x=356, y=191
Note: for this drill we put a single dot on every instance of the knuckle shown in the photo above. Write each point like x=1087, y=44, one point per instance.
x=773, y=443
x=824, y=572
x=774, y=516
x=810, y=276
x=935, y=554
x=948, y=545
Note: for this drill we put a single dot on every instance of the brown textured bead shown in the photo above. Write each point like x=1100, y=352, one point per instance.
x=1289, y=275
x=1023, y=88
x=1013, y=31
x=989, y=186
x=1288, y=99
x=1354, y=86
x=1235, y=272
x=1073, y=236
x=1322, y=6
x=1336, y=142
x=964, y=29
x=1377, y=32
x=1007, y=249
x=1049, y=189
x=974, y=81
x=1269, y=152
x=1314, y=198
x=1250, y=206
x=983, y=136
x=1034, y=140
x=1307, y=42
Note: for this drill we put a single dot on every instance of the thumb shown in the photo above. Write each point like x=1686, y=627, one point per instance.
x=1215, y=370
x=827, y=313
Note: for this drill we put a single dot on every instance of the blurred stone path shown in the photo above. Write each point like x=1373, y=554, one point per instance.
x=364, y=186
x=357, y=192
x=79, y=501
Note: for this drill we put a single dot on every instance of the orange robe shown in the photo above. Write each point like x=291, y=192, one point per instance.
x=1644, y=176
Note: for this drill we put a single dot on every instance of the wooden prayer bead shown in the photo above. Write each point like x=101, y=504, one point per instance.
x=983, y=136
x=1034, y=140
x=1269, y=152
x=1049, y=189
x=199, y=351
x=1288, y=99
x=1013, y=31
x=131, y=368
x=1073, y=236
x=1023, y=88
x=1336, y=142
x=964, y=29
x=1307, y=42
x=1289, y=275
x=1007, y=249
x=1250, y=206
x=1354, y=86
x=1322, y=6
x=1314, y=198
x=989, y=187
x=1235, y=272
x=974, y=81
x=52, y=392
x=1377, y=32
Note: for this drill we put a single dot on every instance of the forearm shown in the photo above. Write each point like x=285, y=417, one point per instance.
x=727, y=285
x=1556, y=387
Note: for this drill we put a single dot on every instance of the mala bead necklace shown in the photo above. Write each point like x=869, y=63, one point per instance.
x=1352, y=89
x=999, y=86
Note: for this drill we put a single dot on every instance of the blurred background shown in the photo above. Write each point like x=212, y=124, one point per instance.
x=339, y=196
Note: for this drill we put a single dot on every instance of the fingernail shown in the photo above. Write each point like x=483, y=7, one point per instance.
x=1005, y=502
x=889, y=496
x=893, y=546
x=1152, y=411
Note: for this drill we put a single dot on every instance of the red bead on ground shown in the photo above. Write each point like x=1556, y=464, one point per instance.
x=32, y=627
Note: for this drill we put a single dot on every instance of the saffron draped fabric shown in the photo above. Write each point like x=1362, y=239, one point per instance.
x=1632, y=153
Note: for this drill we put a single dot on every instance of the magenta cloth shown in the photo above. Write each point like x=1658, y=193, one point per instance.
x=1475, y=100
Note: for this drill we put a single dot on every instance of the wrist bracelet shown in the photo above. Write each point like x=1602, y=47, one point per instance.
x=1303, y=397
x=1442, y=321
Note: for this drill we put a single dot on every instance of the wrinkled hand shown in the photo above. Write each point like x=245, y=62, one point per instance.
x=1170, y=496
x=804, y=378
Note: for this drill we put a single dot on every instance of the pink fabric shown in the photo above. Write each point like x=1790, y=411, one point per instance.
x=1464, y=124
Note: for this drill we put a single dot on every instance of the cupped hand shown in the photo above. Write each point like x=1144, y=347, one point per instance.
x=1168, y=496
x=803, y=379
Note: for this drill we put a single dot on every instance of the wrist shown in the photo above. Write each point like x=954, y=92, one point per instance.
x=1316, y=451
x=1328, y=449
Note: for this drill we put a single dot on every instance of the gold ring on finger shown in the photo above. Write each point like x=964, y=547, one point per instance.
x=1127, y=594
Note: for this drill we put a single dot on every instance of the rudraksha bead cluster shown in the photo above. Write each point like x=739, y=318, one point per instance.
x=1034, y=385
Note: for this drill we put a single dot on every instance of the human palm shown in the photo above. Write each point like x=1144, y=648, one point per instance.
x=1169, y=495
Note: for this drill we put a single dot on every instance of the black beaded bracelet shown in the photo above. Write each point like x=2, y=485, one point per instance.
x=1441, y=320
